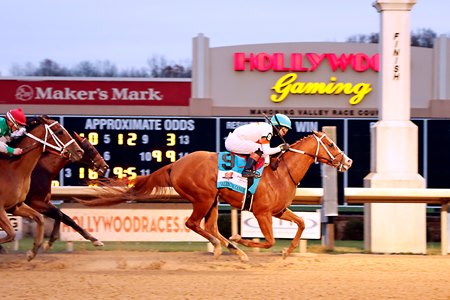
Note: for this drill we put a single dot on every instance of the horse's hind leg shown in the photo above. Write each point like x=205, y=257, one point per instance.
x=193, y=223
x=44, y=207
x=288, y=215
x=200, y=210
x=8, y=228
x=55, y=231
x=26, y=211
x=211, y=225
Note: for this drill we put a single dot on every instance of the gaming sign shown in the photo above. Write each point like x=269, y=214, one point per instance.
x=295, y=63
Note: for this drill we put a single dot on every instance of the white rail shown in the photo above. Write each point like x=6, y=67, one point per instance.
x=397, y=195
x=306, y=196
x=405, y=195
x=313, y=196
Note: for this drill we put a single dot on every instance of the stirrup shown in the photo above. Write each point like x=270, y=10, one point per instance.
x=250, y=174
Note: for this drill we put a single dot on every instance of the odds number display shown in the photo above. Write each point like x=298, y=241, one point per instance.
x=134, y=146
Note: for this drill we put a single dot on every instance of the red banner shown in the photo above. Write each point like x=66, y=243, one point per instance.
x=95, y=92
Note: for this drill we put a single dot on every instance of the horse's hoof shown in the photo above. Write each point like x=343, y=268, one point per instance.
x=46, y=246
x=235, y=238
x=217, y=252
x=98, y=244
x=285, y=253
x=243, y=257
x=3, y=250
x=30, y=255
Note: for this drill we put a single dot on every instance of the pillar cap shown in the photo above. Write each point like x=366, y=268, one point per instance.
x=402, y=5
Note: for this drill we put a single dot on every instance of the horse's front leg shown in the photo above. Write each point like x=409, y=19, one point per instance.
x=56, y=214
x=70, y=222
x=265, y=224
x=288, y=215
x=26, y=211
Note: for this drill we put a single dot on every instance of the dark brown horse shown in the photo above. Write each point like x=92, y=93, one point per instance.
x=43, y=134
x=47, y=168
x=194, y=177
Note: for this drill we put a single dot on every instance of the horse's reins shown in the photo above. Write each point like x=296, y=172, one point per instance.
x=316, y=156
x=59, y=147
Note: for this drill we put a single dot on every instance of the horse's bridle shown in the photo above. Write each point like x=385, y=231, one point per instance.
x=331, y=159
x=60, y=147
x=94, y=161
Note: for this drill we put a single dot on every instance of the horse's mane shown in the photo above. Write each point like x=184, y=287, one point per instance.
x=300, y=140
x=35, y=121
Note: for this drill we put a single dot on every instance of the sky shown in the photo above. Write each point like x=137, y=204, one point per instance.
x=129, y=33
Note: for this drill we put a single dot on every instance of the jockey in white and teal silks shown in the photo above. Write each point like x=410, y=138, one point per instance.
x=254, y=139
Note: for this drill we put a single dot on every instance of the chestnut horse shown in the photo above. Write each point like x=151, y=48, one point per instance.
x=194, y=178
x=39, y=196
x=43, y=134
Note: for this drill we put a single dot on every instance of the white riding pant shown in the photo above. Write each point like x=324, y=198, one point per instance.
x=234, y=143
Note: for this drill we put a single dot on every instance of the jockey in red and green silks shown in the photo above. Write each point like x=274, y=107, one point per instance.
x=12, y=126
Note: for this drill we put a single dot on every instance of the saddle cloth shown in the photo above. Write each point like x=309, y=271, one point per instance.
x=230, y=168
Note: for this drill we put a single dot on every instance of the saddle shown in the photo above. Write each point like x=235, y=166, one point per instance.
x=230, y=166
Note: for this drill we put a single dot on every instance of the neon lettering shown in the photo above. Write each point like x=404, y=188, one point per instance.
x=287, y=85
x=304, y=62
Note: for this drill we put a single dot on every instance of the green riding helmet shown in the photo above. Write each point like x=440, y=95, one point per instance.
x=281, y=120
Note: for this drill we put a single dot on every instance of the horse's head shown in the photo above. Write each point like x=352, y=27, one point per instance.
x=54, y=136
x=91, y=157
x=329, y=153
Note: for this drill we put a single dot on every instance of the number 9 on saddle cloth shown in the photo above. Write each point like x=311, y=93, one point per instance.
x=229, y=176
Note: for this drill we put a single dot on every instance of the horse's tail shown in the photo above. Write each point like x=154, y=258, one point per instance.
x=152, y=186
x=142, y=188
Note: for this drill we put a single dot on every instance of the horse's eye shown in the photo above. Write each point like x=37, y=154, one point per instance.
x=331, y=145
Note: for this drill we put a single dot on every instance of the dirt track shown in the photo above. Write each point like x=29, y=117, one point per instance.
x=197, y=275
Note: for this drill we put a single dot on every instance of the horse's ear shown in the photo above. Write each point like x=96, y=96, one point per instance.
x=78, y=137
x=314, y=132
x=31, y=123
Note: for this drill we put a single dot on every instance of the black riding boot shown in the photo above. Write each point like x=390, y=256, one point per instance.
x=249, y=169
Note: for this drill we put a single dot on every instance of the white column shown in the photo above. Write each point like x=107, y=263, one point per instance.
x=200, y=72
x=201, y=102
x=395, y=228
x=442, y=67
